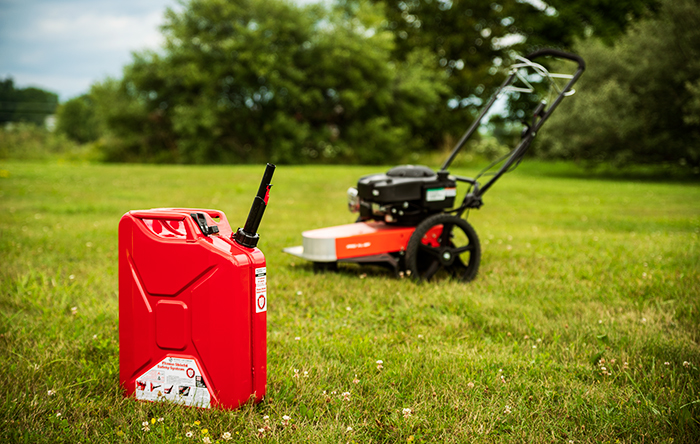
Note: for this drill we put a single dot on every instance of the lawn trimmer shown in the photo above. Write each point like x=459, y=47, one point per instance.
x=407, y=216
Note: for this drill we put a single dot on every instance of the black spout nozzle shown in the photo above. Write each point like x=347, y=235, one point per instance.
x=248, y=235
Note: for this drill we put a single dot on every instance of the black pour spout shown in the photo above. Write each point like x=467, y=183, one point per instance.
x=248, y=235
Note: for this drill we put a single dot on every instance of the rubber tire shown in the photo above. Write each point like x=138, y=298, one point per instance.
x=420, y=258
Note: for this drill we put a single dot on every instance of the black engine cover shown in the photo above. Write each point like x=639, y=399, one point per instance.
x=405, y=193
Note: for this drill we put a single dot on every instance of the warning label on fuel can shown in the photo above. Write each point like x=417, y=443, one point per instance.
x=174, y=379
x=260, y=289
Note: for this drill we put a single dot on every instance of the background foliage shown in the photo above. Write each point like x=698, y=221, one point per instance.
x=267, y=80
x=638, y=101
x=386, y=82
x=25, y=104
x=351, y=81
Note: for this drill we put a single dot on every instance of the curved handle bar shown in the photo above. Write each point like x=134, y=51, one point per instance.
x=559, y=54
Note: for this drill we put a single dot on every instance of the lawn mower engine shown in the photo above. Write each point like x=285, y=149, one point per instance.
x=405, y=195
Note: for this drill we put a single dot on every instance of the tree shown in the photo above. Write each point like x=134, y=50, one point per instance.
x=471, y=39
x=266, y=80
x=32, y=105
x=76, y=119
x=638, y=102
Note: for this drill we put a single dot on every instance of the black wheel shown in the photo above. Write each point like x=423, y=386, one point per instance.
x=443, y=245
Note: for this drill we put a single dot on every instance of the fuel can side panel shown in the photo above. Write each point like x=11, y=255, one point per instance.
x=135, y=313
x=259, y=324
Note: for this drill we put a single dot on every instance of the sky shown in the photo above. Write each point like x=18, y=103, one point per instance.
x=64, y=46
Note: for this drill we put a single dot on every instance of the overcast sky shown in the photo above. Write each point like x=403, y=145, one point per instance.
x=64, y=46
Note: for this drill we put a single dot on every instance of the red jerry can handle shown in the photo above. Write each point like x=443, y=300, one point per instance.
x=192, y=230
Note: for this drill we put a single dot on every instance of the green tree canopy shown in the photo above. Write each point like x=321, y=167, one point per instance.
x=25, y=104
x=640, y=100
x=76, y=118
x=361, y=81
x=255, y=80
x=471, y=39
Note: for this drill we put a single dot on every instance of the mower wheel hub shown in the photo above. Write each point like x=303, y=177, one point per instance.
x=446, y=256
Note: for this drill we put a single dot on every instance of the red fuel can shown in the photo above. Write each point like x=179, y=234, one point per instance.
x=192, y=307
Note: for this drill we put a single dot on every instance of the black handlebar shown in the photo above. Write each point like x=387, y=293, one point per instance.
x=559, y=54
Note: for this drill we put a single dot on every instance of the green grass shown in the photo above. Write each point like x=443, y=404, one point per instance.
x=577, y=274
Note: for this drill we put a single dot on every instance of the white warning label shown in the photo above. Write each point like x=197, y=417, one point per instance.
x=435, y=194
x=174, y=379
x=260, y=289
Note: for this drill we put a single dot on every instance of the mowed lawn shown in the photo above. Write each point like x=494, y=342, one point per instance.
x=581, y=326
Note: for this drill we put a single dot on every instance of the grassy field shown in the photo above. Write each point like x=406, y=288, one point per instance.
x=583, y=324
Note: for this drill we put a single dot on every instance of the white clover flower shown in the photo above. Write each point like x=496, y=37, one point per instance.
x=298, y=338
x=51, y=392
x=507, y=410
x=407, y=412
x=686, y=364
x=227, y=435
x=470, y=385
x=189, y=434
x=667, y=363
x=346, y=396
x=349, y=429
x=206, y=440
